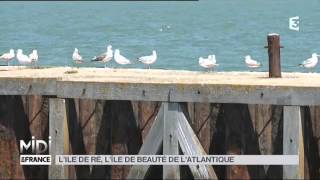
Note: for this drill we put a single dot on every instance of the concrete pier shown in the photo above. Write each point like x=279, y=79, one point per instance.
x=163, y=85
x=132, y=111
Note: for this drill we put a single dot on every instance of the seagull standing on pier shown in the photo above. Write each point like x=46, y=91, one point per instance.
x=120, y=59
x=22, y=58
x=149, y=59
x=208, y=63
x=251, y=63
x=76, y=57
x=311, y=62
x=105, y=57
x=34, y=56
x=8, y=56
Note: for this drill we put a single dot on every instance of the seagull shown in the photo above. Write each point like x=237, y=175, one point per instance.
x=209, y=62
x=8, y=56
x=105, y=57
x=311, y=62
x=120, y=59
x=149, y=59
x=251, y=63
x=22, y=58
x=34, y=56
x=77, y=58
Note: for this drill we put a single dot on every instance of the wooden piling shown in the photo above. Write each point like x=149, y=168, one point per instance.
x=293, y=141
x=274, y=55
x=57, y=120
x=170, y=141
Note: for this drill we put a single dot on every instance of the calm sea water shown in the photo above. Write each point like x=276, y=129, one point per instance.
x=179, y=31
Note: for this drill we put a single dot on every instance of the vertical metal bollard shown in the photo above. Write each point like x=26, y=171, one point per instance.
x=274, y=55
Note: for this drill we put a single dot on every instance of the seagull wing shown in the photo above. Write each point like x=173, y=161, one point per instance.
x=6, y=56
x=208, y=62
x=76, y=57
x=2, y=56
x=251, y=62
x=308, y=61
x=31, y=56
x=99, y=58
x=146, y=59
x=24, y=59
x=124, y=60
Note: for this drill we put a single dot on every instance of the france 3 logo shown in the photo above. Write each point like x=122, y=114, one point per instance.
x=38, y=147
x=294, y=23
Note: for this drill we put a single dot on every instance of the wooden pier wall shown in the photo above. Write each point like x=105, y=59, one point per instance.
x=101, y=126
x=221, y=129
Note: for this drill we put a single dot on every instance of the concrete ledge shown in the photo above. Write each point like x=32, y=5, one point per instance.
x=163, y=85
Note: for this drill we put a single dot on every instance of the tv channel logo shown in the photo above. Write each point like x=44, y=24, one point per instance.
x=294, y=23
x=37, y=147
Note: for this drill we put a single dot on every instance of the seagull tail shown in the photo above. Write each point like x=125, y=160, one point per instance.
x=139, y=59
x=94, y=58
x=301, y=65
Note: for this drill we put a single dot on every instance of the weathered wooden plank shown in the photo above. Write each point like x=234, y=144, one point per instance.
x=190, y=145
x=262, y=124
x=57, y=118
x=13, y=116
x=104, y=134
x=10, y=167
x=68, y=172
x=226, y=93
x=125, y=135
x=307, y=142
x=151, y=145
x=87, y=121
x=76, y=137
x=312, y=142
x=27, y=86
x=145, y=113
x=200, y=120
x=38, y=114
x=170, y=139
x=293, y=141
x=240, y=138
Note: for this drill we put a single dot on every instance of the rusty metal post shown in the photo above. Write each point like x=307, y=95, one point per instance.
x=274, y=55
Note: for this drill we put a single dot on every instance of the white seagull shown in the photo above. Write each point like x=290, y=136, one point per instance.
x=22, y=58
x=311, y=62
x=208, y=63
x=120, y=59
x=76, y=57
x=105, y=57
x=8, y=56
x=34, y=56
x=251, y=63
x=149, y=59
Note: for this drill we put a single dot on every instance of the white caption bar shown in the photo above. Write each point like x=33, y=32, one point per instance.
x=177, y=160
